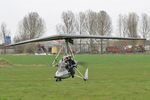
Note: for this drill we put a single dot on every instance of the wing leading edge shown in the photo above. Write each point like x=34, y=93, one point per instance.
x=66, y=36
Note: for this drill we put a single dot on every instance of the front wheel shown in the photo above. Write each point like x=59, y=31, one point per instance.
x=58, y=79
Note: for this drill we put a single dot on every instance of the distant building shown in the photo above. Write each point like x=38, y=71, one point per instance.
x=147, y=45
x=52, y=46
x=8, y=40
x=8, y=50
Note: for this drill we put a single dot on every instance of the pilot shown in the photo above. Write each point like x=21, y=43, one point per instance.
x=72, y=62
x=70, y=65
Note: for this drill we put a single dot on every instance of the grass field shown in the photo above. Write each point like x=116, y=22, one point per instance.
x=111, y=77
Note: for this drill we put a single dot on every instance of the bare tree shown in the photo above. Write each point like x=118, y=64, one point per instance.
x=120, y=24
x=132, y=24
x=91, y=22
x=145, y=25
x=91, y=26
x=81, y=25
x=32, y=26
x=68, y=25
x=128, y=25
x=60, y=29
x=4, y=33
x=104, y=25
x=123, y=26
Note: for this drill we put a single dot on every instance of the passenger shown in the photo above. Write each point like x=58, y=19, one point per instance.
x=70, y=65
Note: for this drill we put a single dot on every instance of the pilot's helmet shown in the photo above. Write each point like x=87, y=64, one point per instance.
x=69, y=57
x=66, y=58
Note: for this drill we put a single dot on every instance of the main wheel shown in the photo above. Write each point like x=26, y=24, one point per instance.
x=58, y=79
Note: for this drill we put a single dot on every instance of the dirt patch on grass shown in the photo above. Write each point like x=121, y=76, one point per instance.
x=35, y=65
x=4, y=63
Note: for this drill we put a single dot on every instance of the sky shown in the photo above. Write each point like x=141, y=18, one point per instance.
x=13, y=11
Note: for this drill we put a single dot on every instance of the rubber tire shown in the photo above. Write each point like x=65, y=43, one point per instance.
x=58, y=79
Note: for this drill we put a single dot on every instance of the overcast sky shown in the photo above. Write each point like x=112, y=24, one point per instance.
x=12, y=11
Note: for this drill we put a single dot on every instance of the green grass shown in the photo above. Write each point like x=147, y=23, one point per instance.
x=111, y=77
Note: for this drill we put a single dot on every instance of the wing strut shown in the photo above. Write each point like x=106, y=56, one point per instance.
x=68, y=50
x=85, y=77
x=53, y=63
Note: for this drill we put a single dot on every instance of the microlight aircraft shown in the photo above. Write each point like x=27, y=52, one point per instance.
x=68, y=65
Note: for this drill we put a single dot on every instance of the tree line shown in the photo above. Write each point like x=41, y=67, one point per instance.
x=88, y=22
x=100, y=23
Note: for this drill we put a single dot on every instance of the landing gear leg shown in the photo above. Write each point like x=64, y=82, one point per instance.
x=72, y=72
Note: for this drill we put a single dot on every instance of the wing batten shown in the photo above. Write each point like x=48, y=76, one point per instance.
x=66, y=36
